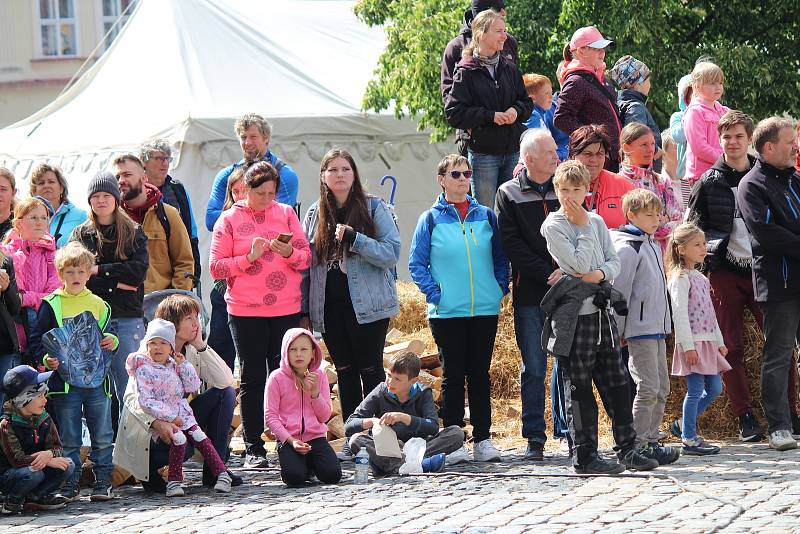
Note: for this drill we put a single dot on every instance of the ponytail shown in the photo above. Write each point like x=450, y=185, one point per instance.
x=567, y=53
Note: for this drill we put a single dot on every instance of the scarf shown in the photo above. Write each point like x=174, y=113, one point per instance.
x=488, y=62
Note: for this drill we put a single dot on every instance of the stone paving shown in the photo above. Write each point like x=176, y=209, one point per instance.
x=746, y=488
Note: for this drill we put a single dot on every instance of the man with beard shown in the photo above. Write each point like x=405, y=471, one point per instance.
x=168, y=245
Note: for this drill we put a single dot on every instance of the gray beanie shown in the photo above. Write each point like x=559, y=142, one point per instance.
x=159, y=328
x=103, y=182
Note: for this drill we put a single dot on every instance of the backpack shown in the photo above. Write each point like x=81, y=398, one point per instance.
x=76, y=344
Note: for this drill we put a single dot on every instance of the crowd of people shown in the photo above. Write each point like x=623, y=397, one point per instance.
x=613, y=234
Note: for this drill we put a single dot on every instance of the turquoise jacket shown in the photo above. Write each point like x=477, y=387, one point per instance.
x=64, y=222
x=459, y=265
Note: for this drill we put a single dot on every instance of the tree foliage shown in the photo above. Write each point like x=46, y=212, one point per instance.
x=755, y=43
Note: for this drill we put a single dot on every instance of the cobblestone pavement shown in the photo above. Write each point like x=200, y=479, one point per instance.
x=746, y=488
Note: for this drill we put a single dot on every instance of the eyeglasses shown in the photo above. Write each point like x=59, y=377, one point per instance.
x=456, y=175
x=34, y=219
x=168, y=159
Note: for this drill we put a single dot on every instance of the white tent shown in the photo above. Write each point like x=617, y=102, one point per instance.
x=185, y=69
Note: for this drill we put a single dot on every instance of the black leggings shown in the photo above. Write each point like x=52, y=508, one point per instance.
x=320, y=461
x=258, y=344
x=357, y=353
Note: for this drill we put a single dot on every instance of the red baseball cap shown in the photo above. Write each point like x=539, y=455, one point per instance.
x=588, y=36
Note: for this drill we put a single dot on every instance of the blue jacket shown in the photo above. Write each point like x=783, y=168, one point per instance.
x=64, y=221
x=632, y=108
x=460, y=266
x=370, y=269
x=543, y=118
x=286, y=194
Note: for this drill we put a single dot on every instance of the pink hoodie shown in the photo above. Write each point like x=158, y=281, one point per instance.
x=290, y=411
x=270, y=286
x=702, y=140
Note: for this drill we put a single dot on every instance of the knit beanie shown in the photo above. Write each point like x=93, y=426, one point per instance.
x=103, y=182
x=159, y=328
x=483, y=5
x=629, y=71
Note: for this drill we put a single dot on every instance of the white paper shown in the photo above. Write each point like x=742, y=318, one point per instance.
x=386, y=443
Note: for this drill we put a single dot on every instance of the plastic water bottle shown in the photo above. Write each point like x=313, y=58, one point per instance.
x=361, y=475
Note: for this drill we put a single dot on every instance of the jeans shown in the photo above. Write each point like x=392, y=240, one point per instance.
x=7, y=361
x=489, y=171
x=528, y=322
x=781, y=322
x=701, y=390
x=219, y=336
x=130, y=331
x=24, y=481
x=95, y=406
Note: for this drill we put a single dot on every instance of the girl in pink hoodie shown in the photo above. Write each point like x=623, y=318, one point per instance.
x=297, y=404
x=701, y=119
x=32, y=249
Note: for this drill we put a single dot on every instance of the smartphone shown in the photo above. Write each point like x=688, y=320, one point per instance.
x=285, y=238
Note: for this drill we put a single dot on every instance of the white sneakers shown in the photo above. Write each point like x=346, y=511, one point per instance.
x=174, y=489
x=457, y=457
x=223, y=484
x=782, y=440
x=485, y=451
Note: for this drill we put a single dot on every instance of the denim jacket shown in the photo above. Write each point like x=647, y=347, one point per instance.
x=370, y=274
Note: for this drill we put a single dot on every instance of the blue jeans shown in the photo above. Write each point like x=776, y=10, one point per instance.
x=489, y=171
x=7, y=361
x=219, y=336
x=24, y=481
x=701, y=390
x=130, y=331
x=95, y=405
x=528, y=323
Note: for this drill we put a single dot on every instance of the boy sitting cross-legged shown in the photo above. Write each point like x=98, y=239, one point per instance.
x=407, y=407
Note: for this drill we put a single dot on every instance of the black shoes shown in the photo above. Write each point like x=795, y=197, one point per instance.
x=535, y=451
x=600, y=466
x=750, y=430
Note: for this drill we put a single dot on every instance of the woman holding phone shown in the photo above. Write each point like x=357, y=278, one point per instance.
x=258, y=247
x=349, y=292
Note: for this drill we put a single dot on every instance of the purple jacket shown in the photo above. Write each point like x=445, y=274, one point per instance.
x=163, y=387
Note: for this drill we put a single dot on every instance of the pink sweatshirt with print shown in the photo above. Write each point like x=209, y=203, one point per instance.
x=702, y=140
x=289, y=411
x=270, y=286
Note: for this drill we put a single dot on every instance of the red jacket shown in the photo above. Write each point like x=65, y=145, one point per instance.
x=605, y=197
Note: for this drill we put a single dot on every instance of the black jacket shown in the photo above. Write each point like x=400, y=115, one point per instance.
x=712, y=207
x=113, y=270
x=453, y=50
x=10, y=305
x=521, y=210
x=174, y=193
x=420, y=406
x=476, y=96
x=769, y=199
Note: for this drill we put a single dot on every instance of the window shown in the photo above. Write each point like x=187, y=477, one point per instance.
x=110, y=12
x=58, y=27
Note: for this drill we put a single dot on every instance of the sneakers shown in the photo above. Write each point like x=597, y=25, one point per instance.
x=345, y=455
x=223, y=484
x=485, y=451
x=600, y=466
x=433, y=464
x=633, y=461
x=102, y=491
x=795, y=426
x=675, y=429
x=53, y=501
x=13, y=505
x=750, y=430
x=782, y=440
x=256, y=461
x=663, y=454
x=174, y=489
x=70, y=492
x=210, y=481
x=535, y=451
x=457, y=457
x=697, y=446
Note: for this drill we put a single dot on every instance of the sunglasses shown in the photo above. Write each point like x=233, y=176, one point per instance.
x=458, y=174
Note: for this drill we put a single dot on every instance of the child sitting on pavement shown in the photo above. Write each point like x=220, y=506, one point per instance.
x=407, y=407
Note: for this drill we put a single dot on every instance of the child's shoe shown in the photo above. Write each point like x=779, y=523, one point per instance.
x=174, y=489
x=795, y=425
x=433, y=464
x=457, y=457
x=71, y=492
x=782, y=440
x=535, y=451
x=223, y=484
x=663, y=454
x=633, y=461
x=102, y=491
x=345, y=455
x=485, y=451
x=675, y=429
x=13, y=505
x=53, y=501
x=600, y=466
x=749, y=429
x=697, y=446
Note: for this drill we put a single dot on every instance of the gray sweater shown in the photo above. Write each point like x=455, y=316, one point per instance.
x=579, y=250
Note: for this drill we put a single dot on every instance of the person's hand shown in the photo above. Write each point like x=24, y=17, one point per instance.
x=284, y=249
x=41, y=459
x=5, y=280
x=340, y=230
x=52, y=363
x=500, y=118
x=691, y=357
x=368, y=423
x=305, y=322
x=723, y=350
x=391, y=418
x=126, y=287
x=554, y=276
x=164, y=430
x=300, y=447
x=198, y=341
x=511, y=115
x=178, y=422
x=593, y=277
x=59, y=463
x=257, y=248
x=311, y=384
x=575, y=213
x=179, y=358
x=107, y=343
